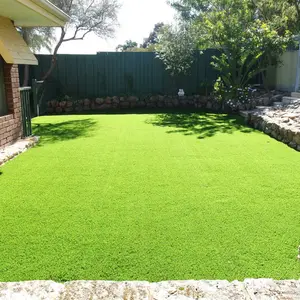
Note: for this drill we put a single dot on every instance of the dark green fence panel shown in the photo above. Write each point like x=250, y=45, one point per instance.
x=125, y=73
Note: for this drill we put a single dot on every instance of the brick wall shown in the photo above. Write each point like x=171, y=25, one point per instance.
x=11, y=124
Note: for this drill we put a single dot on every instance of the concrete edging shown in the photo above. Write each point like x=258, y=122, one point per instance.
x=250, y=289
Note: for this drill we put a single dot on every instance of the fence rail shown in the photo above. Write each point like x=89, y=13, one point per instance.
x=26, y=114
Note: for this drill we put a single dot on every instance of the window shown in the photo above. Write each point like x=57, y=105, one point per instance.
x=3, y=104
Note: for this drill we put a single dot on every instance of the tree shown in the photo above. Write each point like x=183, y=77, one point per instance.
x=129, y=44
x=189, y=9
x=152, y=39
x=37, y=38
x=176, y=45
x=250, y=35
x=249, y=40
x=86, y=16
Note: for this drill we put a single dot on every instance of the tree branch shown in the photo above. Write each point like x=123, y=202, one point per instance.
x=54, y=57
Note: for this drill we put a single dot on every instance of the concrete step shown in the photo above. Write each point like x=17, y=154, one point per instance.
x=290, y=100
x=296, y=95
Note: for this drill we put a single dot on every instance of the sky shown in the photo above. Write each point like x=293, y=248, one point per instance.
x=136, y=19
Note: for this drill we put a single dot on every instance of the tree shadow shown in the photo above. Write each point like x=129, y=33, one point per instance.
x=203, y=125
x=63, y=131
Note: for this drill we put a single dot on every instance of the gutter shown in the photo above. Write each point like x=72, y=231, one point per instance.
x=51, y=8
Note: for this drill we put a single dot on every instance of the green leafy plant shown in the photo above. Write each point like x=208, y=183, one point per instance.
x=176, y=46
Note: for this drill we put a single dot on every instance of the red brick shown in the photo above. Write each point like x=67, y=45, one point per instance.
x=3, y=141
x=10, y=125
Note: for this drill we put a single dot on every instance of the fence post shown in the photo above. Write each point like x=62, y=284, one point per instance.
x=34, y=95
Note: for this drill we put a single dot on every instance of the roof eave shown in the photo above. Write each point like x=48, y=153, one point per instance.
x=56, y=17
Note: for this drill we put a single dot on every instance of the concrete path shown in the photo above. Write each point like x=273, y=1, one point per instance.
x=250, y=289
x=17, y=148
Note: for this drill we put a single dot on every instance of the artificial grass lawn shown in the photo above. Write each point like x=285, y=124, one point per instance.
x=150, y=197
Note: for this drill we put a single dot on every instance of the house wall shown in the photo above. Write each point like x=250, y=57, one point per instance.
x=284, y=76
x=11, y=124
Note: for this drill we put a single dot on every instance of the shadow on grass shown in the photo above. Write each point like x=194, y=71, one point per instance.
x=201, y=124
x=63, y=131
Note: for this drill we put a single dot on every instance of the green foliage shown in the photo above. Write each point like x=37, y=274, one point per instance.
x=38, y=38
x=248, y=45
x=127, y=46
x=150, y=48
x=232, y=95
x=176, y=47
x=251, y=35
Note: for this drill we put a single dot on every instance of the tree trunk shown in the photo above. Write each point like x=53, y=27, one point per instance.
x=54, y=56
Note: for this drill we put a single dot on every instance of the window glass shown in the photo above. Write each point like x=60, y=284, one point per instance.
x=3, y=104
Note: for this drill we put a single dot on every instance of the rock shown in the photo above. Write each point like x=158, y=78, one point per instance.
x=277, y=98
x=108, y=100
x=209, y=105
x=99, y=101
x=132, y=99
x=266, y=101
x=105, y=106
x=153, y=98
x=297, y=138
x=63, y=104
x=124, y=104
x=79, y=108
x=115, y=99
x=141, y=104
x=53, y=103
x=68, y=109
x=86, y=102
x=161, y=98
x=175, y=102
x=69, y=104
x=58, y=110
x=151, y=105
x=291, y=116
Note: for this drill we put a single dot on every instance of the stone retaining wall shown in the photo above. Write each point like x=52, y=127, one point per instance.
x=132, y=102
x=67, y=105
x=250, y=289
x=281, y=123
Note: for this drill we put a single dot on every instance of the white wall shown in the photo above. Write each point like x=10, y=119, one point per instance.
x=284, y=76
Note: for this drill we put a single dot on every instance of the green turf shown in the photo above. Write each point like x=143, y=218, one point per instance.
x=150, y=197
